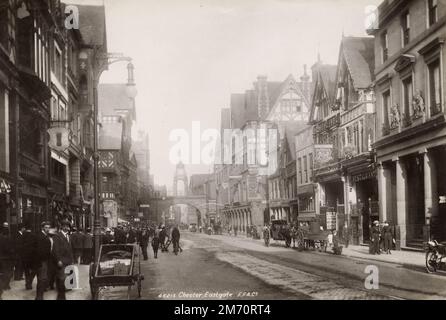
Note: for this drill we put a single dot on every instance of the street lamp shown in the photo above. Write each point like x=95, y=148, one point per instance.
x=101, y=62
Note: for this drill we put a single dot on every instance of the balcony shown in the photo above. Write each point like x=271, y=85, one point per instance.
x=329, y=123
x=356, y=112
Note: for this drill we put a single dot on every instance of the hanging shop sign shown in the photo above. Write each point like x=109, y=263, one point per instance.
x=59, y=138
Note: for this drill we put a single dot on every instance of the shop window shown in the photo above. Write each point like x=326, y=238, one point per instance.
x=434, y=87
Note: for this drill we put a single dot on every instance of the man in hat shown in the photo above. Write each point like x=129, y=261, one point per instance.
x=6, y=259
x=388, y=236
x=18, y=246
x=88, y=247
x=375, y=237
x=63, y=257
x=52, y=266
x=28, y=257
x=43, y=255
x=107, y=238
x=77, y=243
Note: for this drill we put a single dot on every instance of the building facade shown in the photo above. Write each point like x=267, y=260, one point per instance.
x=411, y=127
x=44, y=163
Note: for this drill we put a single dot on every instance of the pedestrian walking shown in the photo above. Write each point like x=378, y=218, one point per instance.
x=63, y=255
x=43, y=255
x=52, y=264
x=155, y=245
x=18, y=247
x=162, y=239
x=131, y=236
x=176, y=239
x=120, y=235
x=235, y=231
x=375, y=238
x=107, y=238
x=388, y=237
x=144, y=242
x=87, y=253
x=77, y=243
x=28, y=256
x=6, y=259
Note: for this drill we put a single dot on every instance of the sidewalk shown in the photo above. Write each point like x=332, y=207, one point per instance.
x=18, y=292
x=407, y=258
x=401, y=257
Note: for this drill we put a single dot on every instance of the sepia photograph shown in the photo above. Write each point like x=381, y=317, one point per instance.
x=234, y=152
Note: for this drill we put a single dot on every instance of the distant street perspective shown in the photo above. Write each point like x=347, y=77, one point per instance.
x=222, y=150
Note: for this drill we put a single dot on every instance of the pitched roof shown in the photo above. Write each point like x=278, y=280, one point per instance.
x=291, y=129
x=328, y=76
x=92, y=24
x=359, y=56
x=110, y=136
x=113, y=97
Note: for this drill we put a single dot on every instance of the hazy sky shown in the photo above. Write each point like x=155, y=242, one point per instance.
x=190, y=55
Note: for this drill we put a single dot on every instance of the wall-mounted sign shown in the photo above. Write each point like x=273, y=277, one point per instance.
x=59, y=139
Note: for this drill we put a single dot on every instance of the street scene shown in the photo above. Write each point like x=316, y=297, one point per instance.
x=222, y=150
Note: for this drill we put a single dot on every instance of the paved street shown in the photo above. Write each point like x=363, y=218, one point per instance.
x=212, y=267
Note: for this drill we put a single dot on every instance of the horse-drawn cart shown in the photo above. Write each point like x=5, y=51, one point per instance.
x=280, y=231
x=312, y=237
x=118, y=265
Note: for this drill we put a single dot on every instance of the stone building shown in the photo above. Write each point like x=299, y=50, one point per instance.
x=411, y=124
x=41, y=105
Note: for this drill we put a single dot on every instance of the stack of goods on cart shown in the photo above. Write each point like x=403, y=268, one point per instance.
x=115, y=263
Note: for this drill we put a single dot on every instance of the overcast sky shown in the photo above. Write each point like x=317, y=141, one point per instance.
x=190, y=55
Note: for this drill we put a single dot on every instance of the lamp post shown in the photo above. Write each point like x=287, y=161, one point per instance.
x=100, y=62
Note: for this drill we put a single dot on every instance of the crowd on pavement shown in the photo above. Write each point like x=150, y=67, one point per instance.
x=27, y=255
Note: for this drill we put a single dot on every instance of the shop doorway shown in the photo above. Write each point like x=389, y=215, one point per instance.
x=415, y=199
x=367, y=205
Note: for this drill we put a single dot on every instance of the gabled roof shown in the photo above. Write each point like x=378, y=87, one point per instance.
x=291, y=129
x=113, y=97
x=359, y=55
x=110, y=136
x=325, y=77
x=92, y=24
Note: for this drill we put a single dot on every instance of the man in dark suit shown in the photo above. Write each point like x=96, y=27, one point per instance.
x=63, y=257
x=87, y=253
x=6, y=259
x=27, y=255
x=77, y=243
x=18, y=245
x=43, y=255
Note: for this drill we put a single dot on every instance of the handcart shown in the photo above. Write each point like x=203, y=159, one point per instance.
x=118, y=265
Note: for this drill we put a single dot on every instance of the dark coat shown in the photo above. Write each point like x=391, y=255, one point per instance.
x=155, y=242
x=175, y=234
x=87, y=241
x=29, y=246
x=120, y=236
x=131, y=236
x=43, y=247
x=62, y=250
x=6, y=248
x=143, y=239
x=77, y=240
x=107, y=239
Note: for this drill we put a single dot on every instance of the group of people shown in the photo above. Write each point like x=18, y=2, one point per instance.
x=44, y=254
x=382, y=239
x=161, y=237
